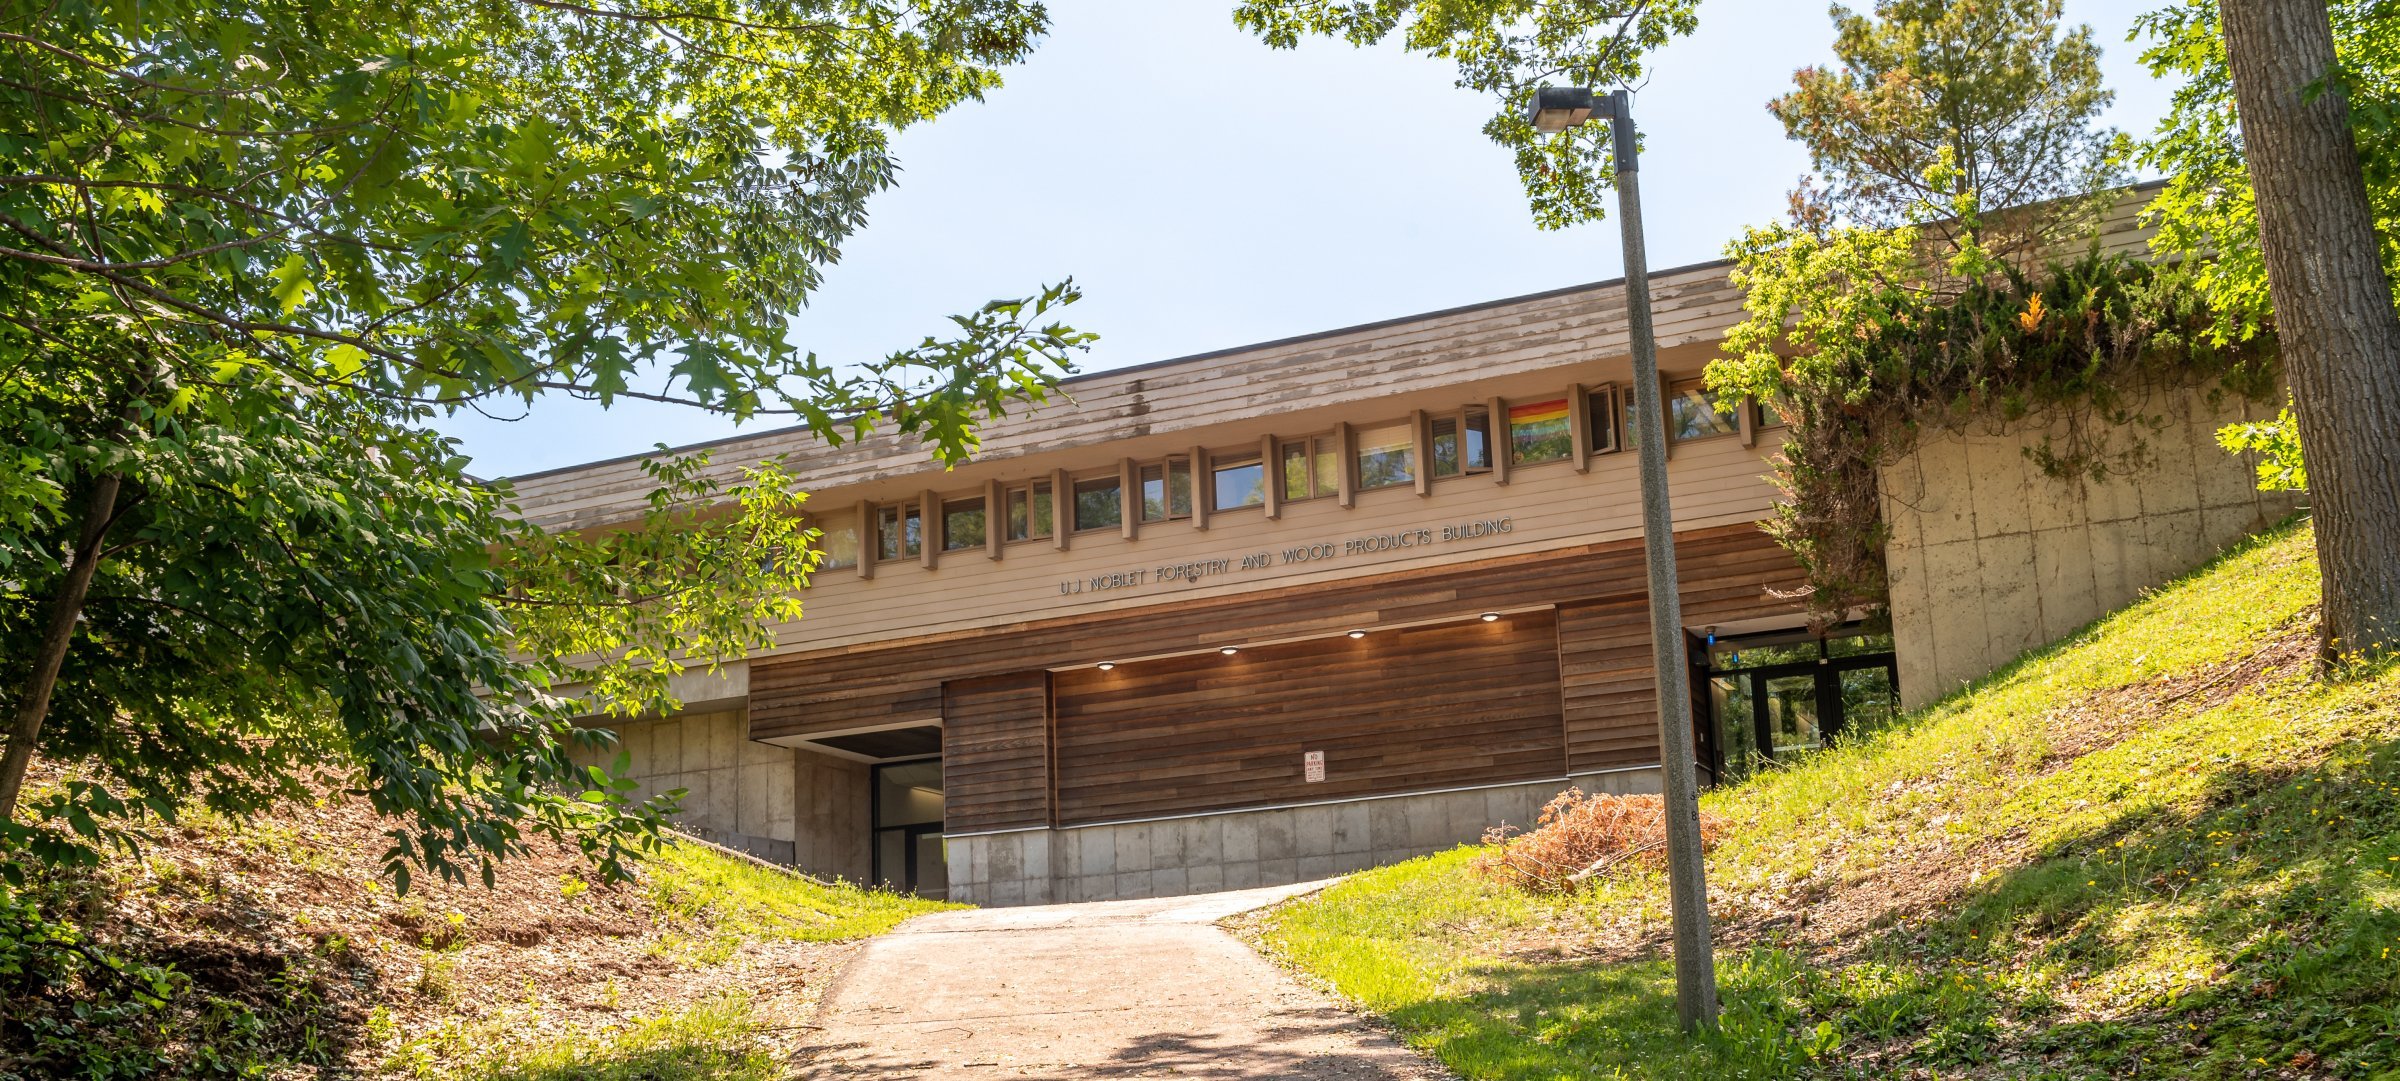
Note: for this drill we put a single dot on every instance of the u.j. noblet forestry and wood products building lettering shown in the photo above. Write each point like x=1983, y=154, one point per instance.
x=1191, y=572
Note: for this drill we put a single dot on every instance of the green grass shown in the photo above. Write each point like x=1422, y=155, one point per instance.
x=2211, y=890
x=713, y=1040
x=722, y=902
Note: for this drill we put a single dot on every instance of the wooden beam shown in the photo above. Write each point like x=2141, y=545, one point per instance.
x=1062, y=509
x=929, y=528
x=1747, y=422
x=1346, y=477
x=995, y=519
x=1420, y=433
x=1579, y=424
x=1500, y=440
x=1129, y=498
x=1270, y=476
x=1201, y=496
x=869, y=538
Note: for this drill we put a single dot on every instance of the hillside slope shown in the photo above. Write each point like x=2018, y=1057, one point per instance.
x=2158, y=848
x=275, y=948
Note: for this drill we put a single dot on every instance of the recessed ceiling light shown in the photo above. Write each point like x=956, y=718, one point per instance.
x=1358, y=634
x=1490, y=617
x=1106, y=665
x=1229, y=651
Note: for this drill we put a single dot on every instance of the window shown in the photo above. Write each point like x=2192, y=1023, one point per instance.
x=1692, y=414
x=1462, y=442
x=1167, y=490
x=899, y=532
x=1539, y=432
x=962, y=524
x=1605, y=417
x=1312, y=467
x=1387, y=455
x=1099, y=503
x=839, y=541
x=1028, y=509
x=1237, y=481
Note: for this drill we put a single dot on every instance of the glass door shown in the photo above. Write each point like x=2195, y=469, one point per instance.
x=1776, y=696
x=908, y=828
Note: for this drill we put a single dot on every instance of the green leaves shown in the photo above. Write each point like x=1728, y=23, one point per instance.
x=265, y=244
x=1506, y=48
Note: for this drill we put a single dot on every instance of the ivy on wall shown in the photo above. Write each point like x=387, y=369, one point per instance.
x=1866, y=341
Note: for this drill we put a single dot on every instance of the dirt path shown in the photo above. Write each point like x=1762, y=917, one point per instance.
x=1116, y=989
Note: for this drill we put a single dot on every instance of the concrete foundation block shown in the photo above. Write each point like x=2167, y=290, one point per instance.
x=1312, y=830
x=1133, y=848
x=1133, y=884
x=1275, y=835
x=1241, y=875
x=1239, y=835
x=1312, y=868
x=1387, y=824
x=1282, y=872
x=1205, y=877
x=1096, y=852
x=1168, y=882
x=1350, y=833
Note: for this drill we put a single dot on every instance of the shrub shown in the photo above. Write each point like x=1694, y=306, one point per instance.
x=1580, y=837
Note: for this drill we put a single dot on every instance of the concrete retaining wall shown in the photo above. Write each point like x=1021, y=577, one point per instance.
x=1239, y=849
x=1990, y=558
x=779, y=804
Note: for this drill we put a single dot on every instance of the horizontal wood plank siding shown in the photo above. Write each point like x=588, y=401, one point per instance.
x=1605, y=669
x=996, y=752
x=1603, y=651
x=1439, y=706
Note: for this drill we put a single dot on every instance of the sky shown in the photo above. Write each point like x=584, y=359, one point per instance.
x=1207, y=192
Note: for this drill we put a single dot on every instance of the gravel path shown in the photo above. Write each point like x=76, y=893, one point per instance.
x=1149, y=988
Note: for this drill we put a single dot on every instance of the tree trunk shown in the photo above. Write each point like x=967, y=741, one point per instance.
x=2333, y=309
x=66, y=607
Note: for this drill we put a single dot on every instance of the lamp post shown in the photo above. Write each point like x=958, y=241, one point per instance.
x=1557, y=109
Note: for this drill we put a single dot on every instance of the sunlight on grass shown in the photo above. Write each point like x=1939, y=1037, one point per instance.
x=711, y=1041
x=723, y=902
x=2164, y=862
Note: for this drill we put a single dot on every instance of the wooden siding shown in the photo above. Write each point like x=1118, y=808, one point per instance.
x=1727, y=573
x=1605, y=671
x=995, y=752
x=1173, y=404
x=1551, y=506
x=1426, y=707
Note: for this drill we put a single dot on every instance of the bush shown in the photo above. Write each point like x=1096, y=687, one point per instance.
x=1580, y=837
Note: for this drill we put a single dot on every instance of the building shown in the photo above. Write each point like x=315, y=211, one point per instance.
x=1276, y=612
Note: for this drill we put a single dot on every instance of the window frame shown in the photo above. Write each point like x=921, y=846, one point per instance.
x=1508, y=435
x=1459, y=422
x=1166, y=487
x=828, y=525
x=1075, y=502
x=1603, y=400
x=1673, y=393
x=1329, y=443
x=1220, y=461
x=948, y=506
x=898, y=514
x=1029, y=489
x=1358, y=443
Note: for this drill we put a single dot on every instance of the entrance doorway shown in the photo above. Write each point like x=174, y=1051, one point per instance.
x=1773, y=696
x=908, y=828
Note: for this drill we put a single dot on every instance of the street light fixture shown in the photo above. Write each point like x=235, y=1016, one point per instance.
x=1558, y=109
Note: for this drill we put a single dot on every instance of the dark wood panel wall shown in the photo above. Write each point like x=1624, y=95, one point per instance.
x=996, y=752
x=1605, y=673
x=1605, y=700
x=1439, y=706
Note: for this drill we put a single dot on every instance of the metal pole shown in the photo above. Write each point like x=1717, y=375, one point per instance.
x=1687, y=876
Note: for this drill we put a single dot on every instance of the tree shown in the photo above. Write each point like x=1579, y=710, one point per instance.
x=1992, y=88
x=252, y=249
x=1897, y=298
x=1505, y=48
x=2275, y=187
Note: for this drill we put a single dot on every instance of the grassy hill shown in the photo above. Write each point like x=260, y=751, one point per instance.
x=274, y=948
x=2158, y=848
